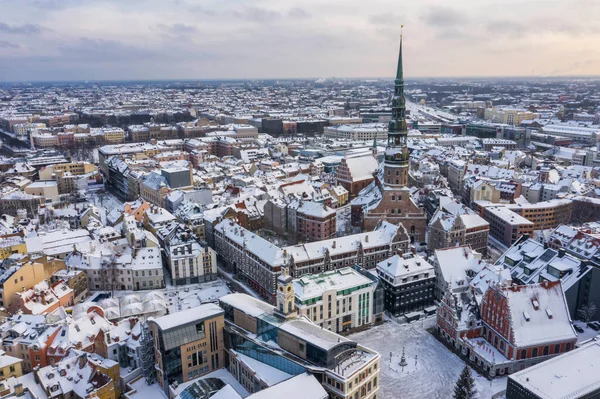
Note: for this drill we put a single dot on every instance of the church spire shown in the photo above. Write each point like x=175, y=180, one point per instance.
x=400, y=72
x=396, y=154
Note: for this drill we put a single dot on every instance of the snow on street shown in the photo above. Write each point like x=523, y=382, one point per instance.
x=431, y=375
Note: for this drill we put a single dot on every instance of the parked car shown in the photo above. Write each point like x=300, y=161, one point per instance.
x=594, y=325
x=577, y=328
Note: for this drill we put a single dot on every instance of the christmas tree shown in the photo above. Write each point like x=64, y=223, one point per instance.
x=465, y=386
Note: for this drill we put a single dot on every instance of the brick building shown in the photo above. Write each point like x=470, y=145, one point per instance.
x=525, y=324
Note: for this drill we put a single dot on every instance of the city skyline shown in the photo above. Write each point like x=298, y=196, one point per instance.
x=156, y=40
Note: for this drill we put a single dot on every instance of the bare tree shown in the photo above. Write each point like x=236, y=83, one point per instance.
x=587, y=312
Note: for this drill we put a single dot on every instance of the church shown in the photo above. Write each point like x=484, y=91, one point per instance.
x=388, y=196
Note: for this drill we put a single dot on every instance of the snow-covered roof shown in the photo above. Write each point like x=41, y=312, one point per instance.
x=192, y=315
x=383, y=235
x=571, y=375
x=403, y=267
x=539, y=314
x=303, y=386
x=453, y=264
x=247, y=304
x=312, y=333
x=255, y=244
x=314, y=285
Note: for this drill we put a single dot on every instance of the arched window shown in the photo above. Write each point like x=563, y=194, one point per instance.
x=556, y=348
x=501, y=345
x=524, y=354
x=546, y=350
x=568, y=348
x=534, y=353
x=412, y=229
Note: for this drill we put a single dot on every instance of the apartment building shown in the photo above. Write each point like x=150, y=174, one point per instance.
x=189, y=261
x=447, y=230
x=19, y=278
x=315, y=221
x=12, y=244
x=507, y=226
x=545, y=214
x=258, y=262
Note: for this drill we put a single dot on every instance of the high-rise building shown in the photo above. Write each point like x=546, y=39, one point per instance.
x=389, y=196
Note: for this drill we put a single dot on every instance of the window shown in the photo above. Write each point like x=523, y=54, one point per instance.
x=524, y=354
x=568, y=347
x=556, y=348
x=546, y=350
x=534, y=353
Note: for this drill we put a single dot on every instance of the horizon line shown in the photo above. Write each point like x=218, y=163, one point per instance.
x=476, y=77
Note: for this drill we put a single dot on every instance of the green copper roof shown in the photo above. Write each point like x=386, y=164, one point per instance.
x=399, y=72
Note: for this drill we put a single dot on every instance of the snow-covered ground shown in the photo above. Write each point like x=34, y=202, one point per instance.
x=432, y=369
x=343, y=221
x=587, y=333
x=105, y=200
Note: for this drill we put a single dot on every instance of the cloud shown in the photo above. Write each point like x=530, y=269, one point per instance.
x=257, y=14
x=506, y=27
x=26, y=29
x=444, y=17
x=299, y=13
x=179, y=29
x=453, y=33
x=5, y=44
x=92, y=50
x=386, y=19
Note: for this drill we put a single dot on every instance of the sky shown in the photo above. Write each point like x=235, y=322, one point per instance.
x=261, y=39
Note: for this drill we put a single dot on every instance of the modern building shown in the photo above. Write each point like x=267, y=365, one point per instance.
x=507, y=226
x=344, y=368
x=409, y=282
x=339, y=300
x=188, y=344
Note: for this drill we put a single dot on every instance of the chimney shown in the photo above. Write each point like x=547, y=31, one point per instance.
x=18, y=389
x=367, y=238
x=82, y=361
x=333, y=246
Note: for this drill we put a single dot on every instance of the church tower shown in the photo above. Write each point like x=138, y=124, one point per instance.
x=285, y=294
x=395, y=204
x=395, y=168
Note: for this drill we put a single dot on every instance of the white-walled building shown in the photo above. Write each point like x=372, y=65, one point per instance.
x=338, y=300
